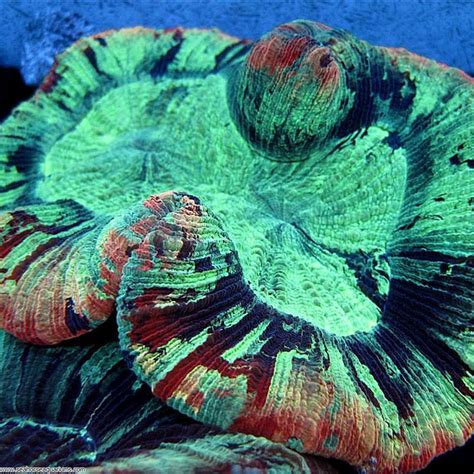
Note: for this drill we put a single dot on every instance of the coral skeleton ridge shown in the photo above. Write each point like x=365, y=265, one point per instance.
x=282, y=232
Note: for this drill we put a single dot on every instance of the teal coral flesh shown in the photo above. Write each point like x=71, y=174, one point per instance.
x=310, y=278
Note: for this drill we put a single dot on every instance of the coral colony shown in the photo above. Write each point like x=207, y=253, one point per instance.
x=278, y=235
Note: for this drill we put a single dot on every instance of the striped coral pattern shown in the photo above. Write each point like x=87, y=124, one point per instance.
x=310, y=281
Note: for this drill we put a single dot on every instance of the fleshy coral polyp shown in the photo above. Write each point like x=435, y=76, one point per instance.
x=283, y=231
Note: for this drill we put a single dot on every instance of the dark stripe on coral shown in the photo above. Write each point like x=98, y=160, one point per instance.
x=187, y=318
x=238, y=50
x=393, y=390
x=101, y=41
x=203, y=264
x=363, y=266
x=161, y=66
x=91, y=56
x=22, y=266
x=74, y=387
x=413, y=310
x=208, y=354
x=23, y=158
x=434, y=256
x=75, y=322
x=13, y=185
x=359, y=382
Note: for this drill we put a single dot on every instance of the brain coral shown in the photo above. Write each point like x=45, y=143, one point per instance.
x=311, y=279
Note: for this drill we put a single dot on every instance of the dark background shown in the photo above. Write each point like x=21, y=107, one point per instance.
x=33, y=31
